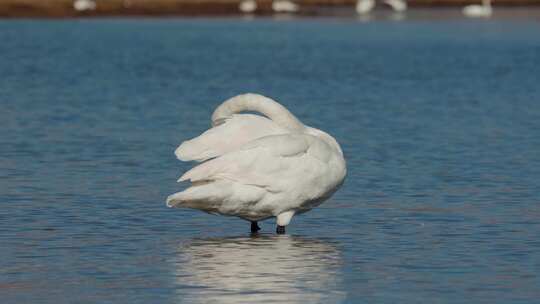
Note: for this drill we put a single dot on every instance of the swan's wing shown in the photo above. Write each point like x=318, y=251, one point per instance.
x=276, y=163
x=227, y=136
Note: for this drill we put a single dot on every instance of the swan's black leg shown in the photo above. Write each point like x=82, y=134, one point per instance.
x=280, y=229
x=254, y=226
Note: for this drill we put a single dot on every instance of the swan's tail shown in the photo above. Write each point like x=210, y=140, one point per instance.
x=205, y=197
x=219, y=196
x=256, y=103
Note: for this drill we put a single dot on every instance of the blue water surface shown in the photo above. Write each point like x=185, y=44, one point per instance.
x=439, y=121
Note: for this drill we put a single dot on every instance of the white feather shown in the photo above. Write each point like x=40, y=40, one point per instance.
x=228, y=136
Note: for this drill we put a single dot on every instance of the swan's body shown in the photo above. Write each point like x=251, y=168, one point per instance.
x=364, y=6
x=475, y=10
x=84, y=5
x=257, y=167
x=397, y=5
x=284, y=6
x=247, y=6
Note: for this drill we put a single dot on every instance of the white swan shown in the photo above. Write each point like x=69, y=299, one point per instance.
x=397, y=5
x=284, y=6
x=363, y=7
x=247, y=6
x=257, y=167
x=475, y=10
x=84, y=5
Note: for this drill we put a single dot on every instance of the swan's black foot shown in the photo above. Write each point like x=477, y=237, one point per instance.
x=280, y=229
x=255, y=227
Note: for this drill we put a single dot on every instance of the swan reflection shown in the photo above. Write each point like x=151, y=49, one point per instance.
x=259, y=269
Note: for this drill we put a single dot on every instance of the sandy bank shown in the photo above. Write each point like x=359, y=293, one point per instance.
x=64, y=8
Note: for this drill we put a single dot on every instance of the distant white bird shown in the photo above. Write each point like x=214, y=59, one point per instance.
x=363, y=7
x=284, y=6
x=475, y=10
x=247, y=6
x=257, y=167
x=397, y=5
x=84, y=5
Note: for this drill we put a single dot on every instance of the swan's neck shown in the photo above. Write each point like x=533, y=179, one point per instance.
x=257, y=103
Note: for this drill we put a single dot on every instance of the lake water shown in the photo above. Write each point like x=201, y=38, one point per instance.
x=439, y=121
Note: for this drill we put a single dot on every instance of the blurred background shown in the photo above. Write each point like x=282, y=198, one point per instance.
x=72, y=8
x=436, y=105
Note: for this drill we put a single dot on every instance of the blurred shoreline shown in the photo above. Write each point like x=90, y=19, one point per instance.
x=111, y=8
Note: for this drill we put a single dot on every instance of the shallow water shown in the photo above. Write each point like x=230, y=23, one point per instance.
x=439, y=121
